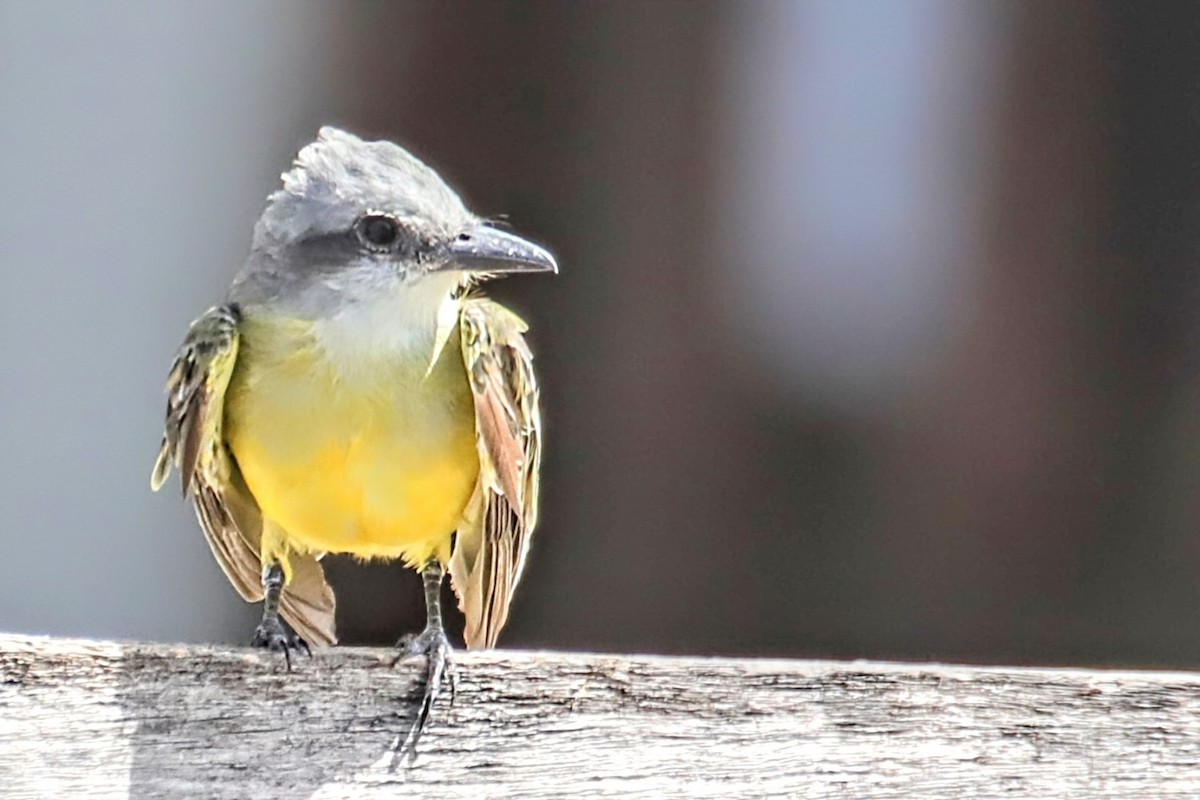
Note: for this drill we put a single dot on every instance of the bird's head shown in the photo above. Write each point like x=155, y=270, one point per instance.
x=353, y=214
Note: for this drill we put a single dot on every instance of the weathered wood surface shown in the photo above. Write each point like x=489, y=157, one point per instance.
x=85, y=719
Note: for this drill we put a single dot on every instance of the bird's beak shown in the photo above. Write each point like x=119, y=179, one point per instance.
x=484, y=249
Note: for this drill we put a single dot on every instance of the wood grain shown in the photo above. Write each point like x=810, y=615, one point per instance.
x=100, y=719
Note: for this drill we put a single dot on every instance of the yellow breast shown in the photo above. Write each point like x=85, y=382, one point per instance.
x=364, y=451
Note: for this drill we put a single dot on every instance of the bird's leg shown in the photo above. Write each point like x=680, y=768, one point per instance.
x=271, y=633
x=432, y=643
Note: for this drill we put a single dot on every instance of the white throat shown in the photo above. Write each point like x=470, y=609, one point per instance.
x=407, y=321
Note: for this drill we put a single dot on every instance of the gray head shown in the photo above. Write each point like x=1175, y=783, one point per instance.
x=356, y=217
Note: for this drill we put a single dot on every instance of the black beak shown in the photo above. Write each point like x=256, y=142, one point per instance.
x=484, y=249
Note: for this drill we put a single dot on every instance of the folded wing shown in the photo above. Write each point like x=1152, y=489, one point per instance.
x=193, y=444
x=491, y=545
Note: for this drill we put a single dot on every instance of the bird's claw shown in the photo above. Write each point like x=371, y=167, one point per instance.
x=273, y=635
x=433, y=644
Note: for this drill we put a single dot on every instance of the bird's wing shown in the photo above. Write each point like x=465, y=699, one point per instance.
x=492, y=542
x=193, y=444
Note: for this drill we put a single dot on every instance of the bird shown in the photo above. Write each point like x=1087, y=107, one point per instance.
x=355, y=393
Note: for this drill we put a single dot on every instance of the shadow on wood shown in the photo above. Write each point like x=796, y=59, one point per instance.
x=102, y=719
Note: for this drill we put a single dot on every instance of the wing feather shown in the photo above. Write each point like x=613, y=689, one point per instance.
x=230, y=517
x=493, y=540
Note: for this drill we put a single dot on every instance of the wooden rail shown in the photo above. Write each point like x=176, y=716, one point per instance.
x=86, y=719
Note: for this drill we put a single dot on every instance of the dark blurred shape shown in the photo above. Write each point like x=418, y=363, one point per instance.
x=1021, y=492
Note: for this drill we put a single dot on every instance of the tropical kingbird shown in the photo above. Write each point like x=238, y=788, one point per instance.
x=354, y=394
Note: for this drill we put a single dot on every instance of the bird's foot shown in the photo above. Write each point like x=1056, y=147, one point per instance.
x=433, y=644
x=278, y=638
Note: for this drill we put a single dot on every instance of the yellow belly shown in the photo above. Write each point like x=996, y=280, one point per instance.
x=375, y=459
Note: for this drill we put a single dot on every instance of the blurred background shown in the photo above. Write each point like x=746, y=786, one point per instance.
x=877, y=333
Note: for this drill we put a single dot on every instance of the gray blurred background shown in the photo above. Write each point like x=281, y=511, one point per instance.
x=877, y=333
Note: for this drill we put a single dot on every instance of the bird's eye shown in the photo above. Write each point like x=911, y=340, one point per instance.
x=378, y=232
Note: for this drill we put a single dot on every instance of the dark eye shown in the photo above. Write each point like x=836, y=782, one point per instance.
x=378, y=232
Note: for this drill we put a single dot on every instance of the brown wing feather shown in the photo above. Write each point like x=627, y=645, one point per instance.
x=231, y=520
x=493, y=539
x=308, y=603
